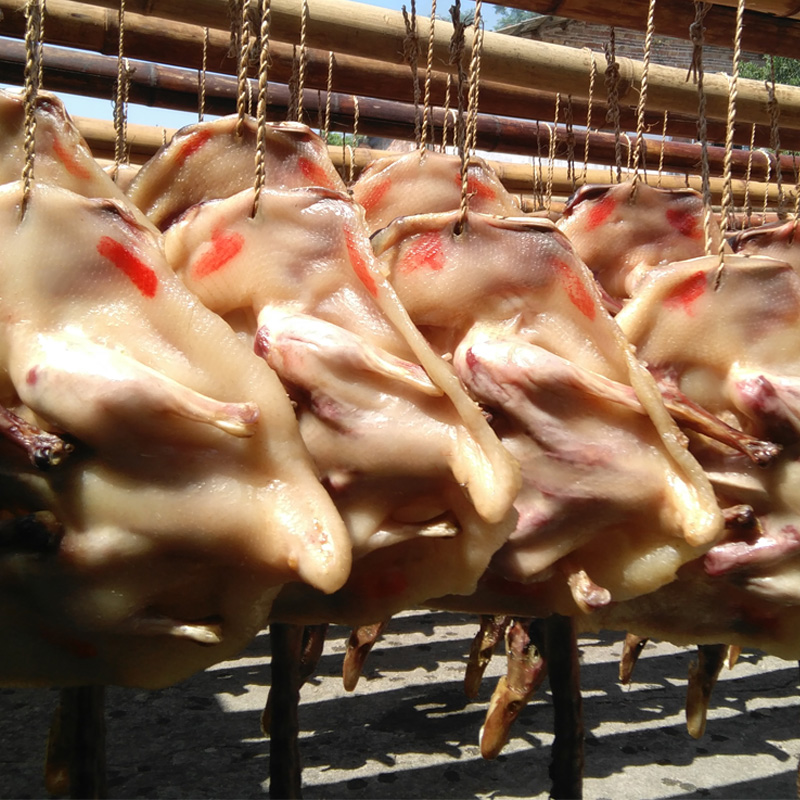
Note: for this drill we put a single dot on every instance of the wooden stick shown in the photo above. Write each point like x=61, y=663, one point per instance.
x=180, y=44
x=762, y=33
x=66, y=70
x=350, y=27
x=285, y=774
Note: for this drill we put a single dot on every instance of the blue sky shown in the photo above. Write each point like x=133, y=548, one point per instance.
x=145, y=115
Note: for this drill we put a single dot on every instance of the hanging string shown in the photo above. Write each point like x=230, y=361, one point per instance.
x=294, y=77
x=411, y=55
x=351, y=174
x=774, y=135
x=40, y=44
x=551, y=158
x=612, y=90
x=242, y=41
x=592, y=78
x=201, y=79
x=474, y=80
x=570, y=142
x=301, y=68
x=767, y=176
x=426, y=101
x=446, y=111
x=457, y=57
x=727, y=180
x=796, y=189
x=120, y=97
x=638, y=156
x=328, y=90
x=34, y=14
x=663, y=146
x=261, y=113
x=538, y=180
x=472, y=114
x=747, y=209
x=163, y=136
x=696, y=34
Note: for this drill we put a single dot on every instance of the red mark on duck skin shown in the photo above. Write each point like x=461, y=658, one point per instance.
x=192, y=144
x=375, y=194
x=144, y=278
x=70, y=162
x=600, y=212
x=424, y=251
x=577, y=292
x=685, y=293
x=360, y=266
x=314, y=173
x=385, y=583
x=224, y=246
x=476, y=188
x=685, y=222
x=32, y=376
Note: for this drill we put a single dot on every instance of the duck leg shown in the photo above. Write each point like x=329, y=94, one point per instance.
x=703, y=674
x=481, y=651
x=361, y=641
x=526, y=671
x=631, y=651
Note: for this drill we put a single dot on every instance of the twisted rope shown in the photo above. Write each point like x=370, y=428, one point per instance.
x=592, y=78
x=301, y=68
x=242, y=39
x=612, y=91
x=663, y=145
x=411, y=55
x=727, y=164
x=201, y=79
x=261, y=112
x=426, y=101
x=638, y=156
x=34, y=15
x=774, y=110
x=551, y=158
x=697, y=35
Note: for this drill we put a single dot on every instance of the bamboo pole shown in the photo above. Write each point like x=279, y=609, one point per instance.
x=179, y=44
x=517, y=178
x=93, y=75
x=762, y=33
x=350, y=27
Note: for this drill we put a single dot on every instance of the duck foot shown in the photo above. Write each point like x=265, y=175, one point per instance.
x=703, y=674
x=631, y=651
x=481, y=651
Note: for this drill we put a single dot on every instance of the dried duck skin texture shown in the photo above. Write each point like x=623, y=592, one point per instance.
x=190, y=497
x=62, y=156
x=427, y=183
x=211, y=161
x=621, y=233
x=729, y=339
x=777, y=240
x=322, y=315
x=531, y=340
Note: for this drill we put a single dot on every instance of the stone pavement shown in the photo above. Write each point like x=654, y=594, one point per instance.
x=408, y=731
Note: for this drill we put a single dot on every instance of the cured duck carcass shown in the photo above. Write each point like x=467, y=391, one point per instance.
x=300, y=281
x=622, y=231
x=602, y=460
x=776, y=239
x=729, y=338
x=216, y=159
x=426, y=182
x=189, y=498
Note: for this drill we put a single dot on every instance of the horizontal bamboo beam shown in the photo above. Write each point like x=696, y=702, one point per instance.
x=94, y=75
x=762, y=33
x=350, y=27
x=179, y=44
x=517, y=178
x=780, y=8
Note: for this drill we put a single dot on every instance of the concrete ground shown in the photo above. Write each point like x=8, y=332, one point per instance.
x=408, y=731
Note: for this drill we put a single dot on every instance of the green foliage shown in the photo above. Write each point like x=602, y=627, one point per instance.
x=511, y=16
x=346, y=139
x=787, y=70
